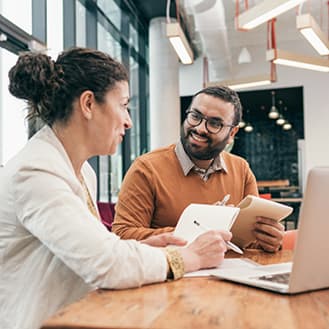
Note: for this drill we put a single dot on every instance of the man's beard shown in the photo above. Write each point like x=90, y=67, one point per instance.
x=204, y=153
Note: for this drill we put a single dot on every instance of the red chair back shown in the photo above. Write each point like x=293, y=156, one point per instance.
x=106, y=211
x=267, y=196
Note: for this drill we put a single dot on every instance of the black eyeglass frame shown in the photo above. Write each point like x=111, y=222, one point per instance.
x=206, y=118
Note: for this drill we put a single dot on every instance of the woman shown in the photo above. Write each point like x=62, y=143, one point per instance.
x=53, y=248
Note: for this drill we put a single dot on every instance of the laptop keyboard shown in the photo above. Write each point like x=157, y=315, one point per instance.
x=278, y=278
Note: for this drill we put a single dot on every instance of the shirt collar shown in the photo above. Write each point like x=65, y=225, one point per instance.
x=187, y=164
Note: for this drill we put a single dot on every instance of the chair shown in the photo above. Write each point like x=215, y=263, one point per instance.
x=266, y=196
x=106, y=211
x=289, y=240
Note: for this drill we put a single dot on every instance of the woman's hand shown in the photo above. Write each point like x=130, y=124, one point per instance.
x=163, y=240
x=206, y=251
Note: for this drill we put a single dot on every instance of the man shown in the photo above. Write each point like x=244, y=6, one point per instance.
x=161, y=184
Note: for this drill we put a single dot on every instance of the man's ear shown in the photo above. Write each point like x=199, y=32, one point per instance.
x=86, y=101
x=233, y=132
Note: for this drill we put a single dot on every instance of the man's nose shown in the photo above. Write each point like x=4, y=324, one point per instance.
x=202, y=126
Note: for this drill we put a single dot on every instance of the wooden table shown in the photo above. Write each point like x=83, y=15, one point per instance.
x=287, y=200
x=197, y=303
x=273, y=183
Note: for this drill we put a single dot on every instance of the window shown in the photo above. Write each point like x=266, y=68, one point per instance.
x=133, y=37
x=54, y=27
x=112, y=11
x=22, y=17
x=13, y=127
x=80, y=12
x=134, y=110
x=116, y=173
x=107, y=43
x=112, y=26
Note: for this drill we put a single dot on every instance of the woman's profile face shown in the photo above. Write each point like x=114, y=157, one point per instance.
x=111, y=119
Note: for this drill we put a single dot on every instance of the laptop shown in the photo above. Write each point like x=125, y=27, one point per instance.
x=309, y=269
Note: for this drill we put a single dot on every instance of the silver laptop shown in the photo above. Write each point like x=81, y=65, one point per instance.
x=309, y=269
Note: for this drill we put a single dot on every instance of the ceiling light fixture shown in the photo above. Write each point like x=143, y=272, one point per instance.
x=287, y=126
x=248, y=128
x=244, y=83
x=282, y=57
x=265, y=11
x=179, y=42
x=244, y=56
x=242, y=124
x=280, y=121
x=313, y=33
x=274, y=113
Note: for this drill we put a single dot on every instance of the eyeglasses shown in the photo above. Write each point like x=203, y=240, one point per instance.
x=213, y=125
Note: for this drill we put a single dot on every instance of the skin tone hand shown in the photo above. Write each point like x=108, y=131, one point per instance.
x=269, y=234
x=206, y=251
x=218, y=203
x=164, y=239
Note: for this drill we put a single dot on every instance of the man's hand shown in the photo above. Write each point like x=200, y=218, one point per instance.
x=269, y=234
x=164, y=239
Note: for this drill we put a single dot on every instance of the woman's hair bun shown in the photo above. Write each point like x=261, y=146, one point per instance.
x=31, y=76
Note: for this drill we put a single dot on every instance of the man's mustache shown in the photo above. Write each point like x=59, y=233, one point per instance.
x=190, y=131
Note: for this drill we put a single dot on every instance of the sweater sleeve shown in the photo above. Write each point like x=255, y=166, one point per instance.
x=135, y=208
x=250, y=181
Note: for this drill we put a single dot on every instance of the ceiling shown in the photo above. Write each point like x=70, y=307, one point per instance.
x=210, y=25
x=154, y=8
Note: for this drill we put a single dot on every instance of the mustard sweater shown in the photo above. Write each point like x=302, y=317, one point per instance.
x=155, y=192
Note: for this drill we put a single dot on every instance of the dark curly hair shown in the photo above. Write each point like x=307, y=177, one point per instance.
x=50, y=87
x=227, y=95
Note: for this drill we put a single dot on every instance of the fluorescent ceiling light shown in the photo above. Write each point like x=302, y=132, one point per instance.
x=282, y=57
x=244, y=83
x=180, y=43
x=265, y=11
x=313, y=33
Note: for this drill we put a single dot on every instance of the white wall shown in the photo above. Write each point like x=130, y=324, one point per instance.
x=164, y=87
x=316, y=105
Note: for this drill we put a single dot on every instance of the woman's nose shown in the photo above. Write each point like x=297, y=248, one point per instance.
x=128, y=121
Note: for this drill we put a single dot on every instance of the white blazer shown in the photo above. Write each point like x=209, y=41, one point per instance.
x=52, y=249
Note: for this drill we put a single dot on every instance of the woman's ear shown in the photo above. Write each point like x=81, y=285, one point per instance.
x=86, y=101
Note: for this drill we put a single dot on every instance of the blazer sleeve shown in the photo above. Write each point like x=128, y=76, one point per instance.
x=48, y=205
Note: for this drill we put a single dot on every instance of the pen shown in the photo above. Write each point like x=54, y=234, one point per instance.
x=225, y=199
x=229, y=244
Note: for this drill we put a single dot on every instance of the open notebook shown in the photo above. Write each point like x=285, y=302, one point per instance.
x=309, y=269
x=252, y=207
x=205, y=215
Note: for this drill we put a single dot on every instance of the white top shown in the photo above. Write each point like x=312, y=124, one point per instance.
x=52, y=250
